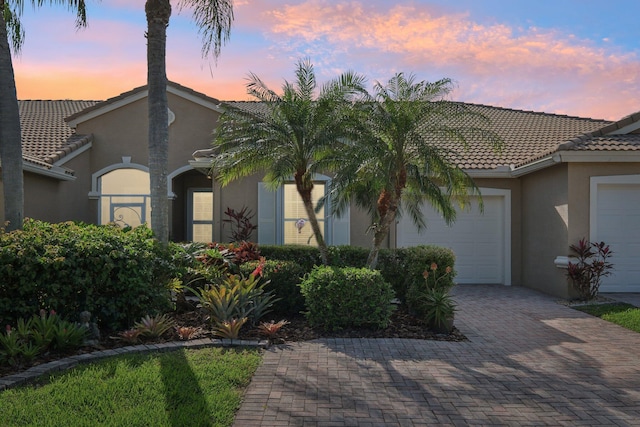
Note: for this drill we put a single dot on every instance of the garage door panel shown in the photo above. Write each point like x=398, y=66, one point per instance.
x=476, y=239
x=618, y=225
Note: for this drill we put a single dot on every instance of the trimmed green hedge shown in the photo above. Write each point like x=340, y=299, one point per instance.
x=400, y=267
x=338, y=298
x=118, y=275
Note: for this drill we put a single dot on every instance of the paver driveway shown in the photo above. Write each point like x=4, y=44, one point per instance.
x=528, y=361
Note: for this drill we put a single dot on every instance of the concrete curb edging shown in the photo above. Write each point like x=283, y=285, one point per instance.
x=33, y=373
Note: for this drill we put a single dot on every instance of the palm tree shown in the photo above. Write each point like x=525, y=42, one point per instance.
x=402, y=155
x=12, y=36
x=291, y=138
x=213, y=18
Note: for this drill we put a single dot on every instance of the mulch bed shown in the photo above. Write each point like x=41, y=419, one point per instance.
x=402, y=325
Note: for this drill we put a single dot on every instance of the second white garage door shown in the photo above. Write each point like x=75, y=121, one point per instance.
x=616, y=221
x=480, y=241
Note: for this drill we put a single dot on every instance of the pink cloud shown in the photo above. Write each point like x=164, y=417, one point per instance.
x=506, y=59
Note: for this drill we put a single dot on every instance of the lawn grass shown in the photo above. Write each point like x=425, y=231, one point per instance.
x=625, y=315
x=180, y=388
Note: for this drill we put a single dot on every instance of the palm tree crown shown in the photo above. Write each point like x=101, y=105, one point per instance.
x=401, y=154
x=291, y=137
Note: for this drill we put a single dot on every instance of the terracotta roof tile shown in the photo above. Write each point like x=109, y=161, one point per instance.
x=628, y=142
x=527, y=135
x=45, y=136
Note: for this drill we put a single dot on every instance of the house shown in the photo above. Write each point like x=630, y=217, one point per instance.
x=558, y=179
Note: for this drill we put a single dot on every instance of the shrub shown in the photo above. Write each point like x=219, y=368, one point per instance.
x=399, y=267
x=117, y=274
x=236, y=297
x=418, y=259
x=429, y=299
x=339, y=298
x=283, y=279
x=305, y=256
x=590, y=267
x=348, y=256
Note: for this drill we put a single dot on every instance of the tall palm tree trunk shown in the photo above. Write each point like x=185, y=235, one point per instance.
x=10, y=136
x=158, y=13
x=381, y=233
x=313, y=220
x=305, y=194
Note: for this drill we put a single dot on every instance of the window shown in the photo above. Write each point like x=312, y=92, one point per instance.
x=200, y=215
x=282, y=218
x=297, y=229
x=124, y=197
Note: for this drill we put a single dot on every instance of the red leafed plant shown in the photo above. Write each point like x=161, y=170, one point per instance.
x=240, y=223
x=245, y=251
x=590, y=267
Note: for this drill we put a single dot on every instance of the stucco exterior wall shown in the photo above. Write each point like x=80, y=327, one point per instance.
x=545, y=197
x=123, y=132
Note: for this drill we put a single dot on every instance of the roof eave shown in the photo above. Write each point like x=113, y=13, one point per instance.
x=56, y=172
x=498, y=172
x=621, y=156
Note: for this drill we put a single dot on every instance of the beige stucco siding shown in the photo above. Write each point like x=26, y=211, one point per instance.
x=545, y=229
x=123, y=132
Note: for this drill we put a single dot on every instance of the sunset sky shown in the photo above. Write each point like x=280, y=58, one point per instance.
x=575, y=57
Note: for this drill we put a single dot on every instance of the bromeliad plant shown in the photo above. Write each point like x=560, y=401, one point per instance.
x=38, y=335
x=154, y=326
x=237, y=297
x=591, y=265
x=230, y=329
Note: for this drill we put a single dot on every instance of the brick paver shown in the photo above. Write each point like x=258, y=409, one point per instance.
x=528, y=361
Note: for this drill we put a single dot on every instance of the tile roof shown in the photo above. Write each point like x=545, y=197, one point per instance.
x=629, y=142
x=45, y=136
x=527, y=135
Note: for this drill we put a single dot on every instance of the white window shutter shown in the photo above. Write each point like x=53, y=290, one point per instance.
x=341, y=228
x=266, y=215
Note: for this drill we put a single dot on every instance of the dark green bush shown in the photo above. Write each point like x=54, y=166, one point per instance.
x=348, y=256
x=339, y=298
x=305, y=256
x=284, y=278
x=400, y=267
x=118, y=275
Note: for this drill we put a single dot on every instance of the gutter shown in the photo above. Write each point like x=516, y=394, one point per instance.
x=537, y=165
x=55, y=172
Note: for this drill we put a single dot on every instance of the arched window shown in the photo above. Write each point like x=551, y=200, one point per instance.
x=124, y=197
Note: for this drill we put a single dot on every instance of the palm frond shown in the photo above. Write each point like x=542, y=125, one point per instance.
x=213, y=19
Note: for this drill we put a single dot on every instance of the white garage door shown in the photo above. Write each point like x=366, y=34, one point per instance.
x=618, y=225
x=479, y=240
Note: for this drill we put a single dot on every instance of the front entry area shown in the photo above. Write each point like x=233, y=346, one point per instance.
x=192, y=208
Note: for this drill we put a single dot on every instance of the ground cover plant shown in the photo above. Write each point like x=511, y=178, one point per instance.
x=180, y=388
x=625, y=315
